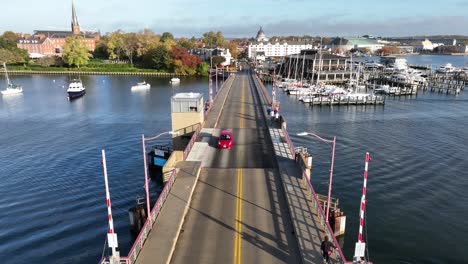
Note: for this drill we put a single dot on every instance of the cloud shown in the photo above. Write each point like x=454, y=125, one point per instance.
x=403, y=26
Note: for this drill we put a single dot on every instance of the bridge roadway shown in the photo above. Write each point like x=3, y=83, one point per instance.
x=238, y=211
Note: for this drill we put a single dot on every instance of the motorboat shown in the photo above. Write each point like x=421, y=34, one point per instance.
x=11, y=88
x=175, y=80
x=141, y=86
x=75, y=89
x=382, y=89
x=447, y=68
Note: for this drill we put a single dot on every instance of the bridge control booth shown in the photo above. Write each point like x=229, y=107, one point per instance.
x=187, y=111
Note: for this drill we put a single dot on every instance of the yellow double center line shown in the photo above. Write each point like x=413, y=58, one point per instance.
x=238, y=225
x=238, y=240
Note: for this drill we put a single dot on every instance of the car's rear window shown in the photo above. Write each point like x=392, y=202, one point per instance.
x=225, y=137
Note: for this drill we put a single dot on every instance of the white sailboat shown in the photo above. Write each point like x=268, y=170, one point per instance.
x=141, y=86
x=11, y=88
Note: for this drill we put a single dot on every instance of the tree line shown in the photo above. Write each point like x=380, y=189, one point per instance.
x=9, y=52
x=144, y=49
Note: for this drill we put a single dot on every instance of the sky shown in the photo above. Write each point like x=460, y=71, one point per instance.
x=242, y=18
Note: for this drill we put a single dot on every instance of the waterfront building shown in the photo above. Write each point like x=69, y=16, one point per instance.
x=359, y=43
x=50, y=43
x=463, y=48
x=424, y=45
x=262, y=47
x=438, y=40
x=318, y=64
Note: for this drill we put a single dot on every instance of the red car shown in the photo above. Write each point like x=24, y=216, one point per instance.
x=225, y=139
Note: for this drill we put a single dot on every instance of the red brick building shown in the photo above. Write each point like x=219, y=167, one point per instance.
x=50, y=43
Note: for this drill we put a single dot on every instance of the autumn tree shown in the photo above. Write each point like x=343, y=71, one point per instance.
x=116, y=46
x=232, y=46
x=10, y=35
x=188, y=43
x=75, y=53
x=183, y=62
x=130, y=45
x=167, y=36
x=146, y=41
x=213, y=40
x=11, y=54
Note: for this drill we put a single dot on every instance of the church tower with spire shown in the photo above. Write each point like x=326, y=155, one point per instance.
x=74, y=24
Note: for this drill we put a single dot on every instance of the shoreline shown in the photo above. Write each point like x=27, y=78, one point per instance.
x=32, y=72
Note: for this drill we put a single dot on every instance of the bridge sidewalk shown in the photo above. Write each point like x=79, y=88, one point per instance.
x=306, y=221
x=161, y=241
x=309, y=230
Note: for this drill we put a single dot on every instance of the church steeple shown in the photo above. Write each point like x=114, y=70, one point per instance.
x=75, y=25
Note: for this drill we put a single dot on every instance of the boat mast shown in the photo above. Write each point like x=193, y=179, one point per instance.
x=303, y=61
x=6, y=75
x=295, y=69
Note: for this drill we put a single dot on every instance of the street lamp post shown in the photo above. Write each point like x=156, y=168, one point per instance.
x=143, y=140
x=331, y=167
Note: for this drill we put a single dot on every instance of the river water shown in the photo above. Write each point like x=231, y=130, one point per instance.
x=52, y=189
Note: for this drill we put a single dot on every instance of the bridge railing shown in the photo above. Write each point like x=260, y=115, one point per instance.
x=287, y=138
x=227, y=82
x=316, y=205
x=144, y=232
x=189, y=146
x=264, y=90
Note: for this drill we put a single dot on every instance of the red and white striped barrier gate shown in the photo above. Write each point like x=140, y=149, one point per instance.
x=360, y=248
x=111, y=235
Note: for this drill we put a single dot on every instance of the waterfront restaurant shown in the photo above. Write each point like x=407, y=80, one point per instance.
x=318, y=64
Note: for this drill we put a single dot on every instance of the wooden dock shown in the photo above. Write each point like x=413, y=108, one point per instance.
x=338, y=100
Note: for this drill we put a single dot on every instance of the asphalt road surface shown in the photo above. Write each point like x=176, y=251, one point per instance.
x=238, y=211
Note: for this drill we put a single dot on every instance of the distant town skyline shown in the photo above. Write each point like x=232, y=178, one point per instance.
x=242, y=18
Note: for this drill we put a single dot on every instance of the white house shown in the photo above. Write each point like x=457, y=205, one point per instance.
x=223, y=53
x=264, y=48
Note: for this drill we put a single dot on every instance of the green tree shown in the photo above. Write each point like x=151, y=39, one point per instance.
x=209, y=39
x=187, y=43
x=217, y=60
x=219, y=39
x=46, y=61
x=75, y=53
x=160, y=58
x=167, y=36
x=203, y=69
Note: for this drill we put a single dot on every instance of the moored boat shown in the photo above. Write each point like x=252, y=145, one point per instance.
x=175, y=80
x=141, y=86
x=75, y=89
x=11, y=88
